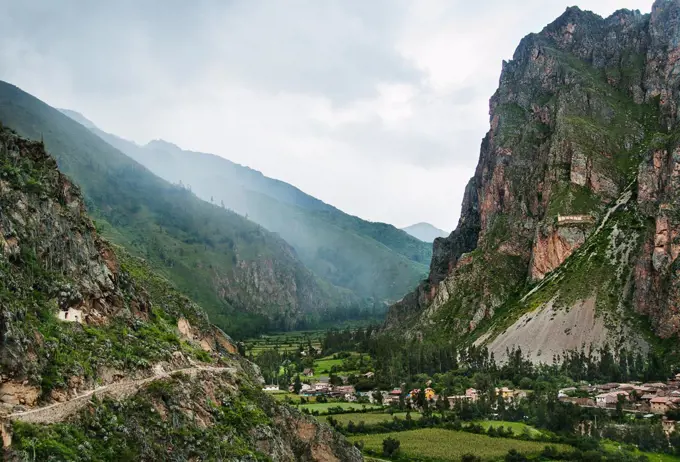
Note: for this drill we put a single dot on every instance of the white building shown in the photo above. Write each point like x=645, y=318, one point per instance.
x=71, y=315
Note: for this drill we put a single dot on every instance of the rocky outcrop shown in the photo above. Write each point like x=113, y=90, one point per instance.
x=552, y=248
x=584, y=118
x=142, y=362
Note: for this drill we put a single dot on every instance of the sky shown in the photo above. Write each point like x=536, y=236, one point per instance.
x=377, y=107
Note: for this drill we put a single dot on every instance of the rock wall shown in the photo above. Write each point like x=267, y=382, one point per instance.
x=585, y=110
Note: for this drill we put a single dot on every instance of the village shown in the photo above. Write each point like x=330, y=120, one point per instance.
x=650, y=399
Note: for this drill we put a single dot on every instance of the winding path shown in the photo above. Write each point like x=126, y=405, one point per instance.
x=58, y=412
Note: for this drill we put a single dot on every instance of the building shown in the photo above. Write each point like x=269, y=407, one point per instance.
x=71, y=315
x=668, y=425
x=271, y=388
x=508, y=394
x=368, y=375
x=471, y=395
x=662, y=404
x=610, y=399
x=308, y=372
x=564, y=392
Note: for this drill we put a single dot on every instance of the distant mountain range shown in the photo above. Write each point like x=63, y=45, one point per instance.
x=375, y=261
x=425, y=232
x=247, y=279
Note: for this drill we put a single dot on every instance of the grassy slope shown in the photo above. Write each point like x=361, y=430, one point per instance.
x=190, y=241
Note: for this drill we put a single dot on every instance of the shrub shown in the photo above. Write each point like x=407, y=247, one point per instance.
x=390, y=447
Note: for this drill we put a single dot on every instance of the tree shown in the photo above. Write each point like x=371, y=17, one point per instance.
x=297, y=386
x=390, y=447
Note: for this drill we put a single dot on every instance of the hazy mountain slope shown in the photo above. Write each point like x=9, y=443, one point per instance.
x=133, y=328
x=571, y=225
x=425, y=232
x=372, y=259
x=245, y=277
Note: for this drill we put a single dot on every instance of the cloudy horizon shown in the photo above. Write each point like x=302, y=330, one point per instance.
x=377, y=108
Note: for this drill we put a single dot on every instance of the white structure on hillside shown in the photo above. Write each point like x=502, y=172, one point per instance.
x=575, y=219
x=71, y=315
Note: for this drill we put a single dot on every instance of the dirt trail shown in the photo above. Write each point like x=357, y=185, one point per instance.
x=58, y=412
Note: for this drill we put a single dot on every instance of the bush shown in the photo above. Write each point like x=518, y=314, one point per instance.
x=470, y=458
x=514, y=456
x=390, y=447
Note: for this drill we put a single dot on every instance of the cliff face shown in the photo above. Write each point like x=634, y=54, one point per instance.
x=107, y=357
x=575, y=196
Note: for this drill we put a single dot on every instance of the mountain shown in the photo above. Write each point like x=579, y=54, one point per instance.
x=569, y=234
x=373, y=260
x=247, y=278
x=103, y=360
x=425, y=232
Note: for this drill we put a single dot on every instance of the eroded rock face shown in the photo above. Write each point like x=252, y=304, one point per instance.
x=581, y=116
x=551, y=250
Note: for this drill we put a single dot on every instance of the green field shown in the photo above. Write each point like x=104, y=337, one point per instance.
x=285, y=341
x=517, y=427
x=448, y=445
x=612, y=446
x=323, y=407
x=369, y=418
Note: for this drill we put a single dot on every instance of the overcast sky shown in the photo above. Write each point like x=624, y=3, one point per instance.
x=375, y=106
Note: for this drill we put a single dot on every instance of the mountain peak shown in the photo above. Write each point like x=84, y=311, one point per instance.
x=162, y=144
x=425, y=231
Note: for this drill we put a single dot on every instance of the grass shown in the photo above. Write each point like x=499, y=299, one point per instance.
x=612, y=446
x=517, y=427
x=448, y=445
x=370, y=418
x=323, y=407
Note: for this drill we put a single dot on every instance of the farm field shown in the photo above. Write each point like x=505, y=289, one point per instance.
x=323, y=407
x=369, y=418
x=517, y=427
x=448, y=445
x=322, y=366
x=285, y=341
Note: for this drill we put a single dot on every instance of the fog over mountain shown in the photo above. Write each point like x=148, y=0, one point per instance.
x=375, y=107
x=376, y=261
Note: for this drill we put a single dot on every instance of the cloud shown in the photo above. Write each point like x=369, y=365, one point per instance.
x=377, y=107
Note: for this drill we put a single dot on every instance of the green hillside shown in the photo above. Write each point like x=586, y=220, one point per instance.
x=247, y=278
x=373, y=260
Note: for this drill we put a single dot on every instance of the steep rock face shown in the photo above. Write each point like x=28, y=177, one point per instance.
x=580, y=159
x=146, y=347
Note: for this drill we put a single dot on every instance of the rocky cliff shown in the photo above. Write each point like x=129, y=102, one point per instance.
x=570, y=224
x=101, y=359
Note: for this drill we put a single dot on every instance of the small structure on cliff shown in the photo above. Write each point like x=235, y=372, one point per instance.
x=565, y=220
x=71, y=315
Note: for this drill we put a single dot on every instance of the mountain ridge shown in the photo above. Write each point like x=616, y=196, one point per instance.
x=374, y=260
x=568, y=235
x=211, y=254
x=99, y=352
